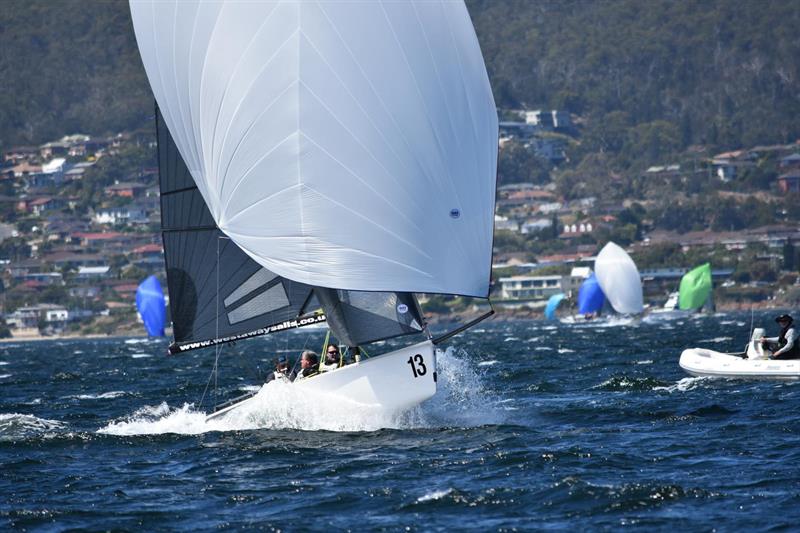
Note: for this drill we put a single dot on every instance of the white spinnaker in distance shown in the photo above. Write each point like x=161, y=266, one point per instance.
x=344, y=144
x=619, y=278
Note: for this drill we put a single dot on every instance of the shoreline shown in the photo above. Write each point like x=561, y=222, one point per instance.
x=523, y=313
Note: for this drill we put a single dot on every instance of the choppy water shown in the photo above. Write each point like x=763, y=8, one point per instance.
x=535, y=427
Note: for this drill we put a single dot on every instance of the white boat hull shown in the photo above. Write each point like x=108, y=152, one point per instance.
x=703, y=362
x=392, y=382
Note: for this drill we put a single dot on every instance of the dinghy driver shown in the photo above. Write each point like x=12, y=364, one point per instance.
x=785, y=345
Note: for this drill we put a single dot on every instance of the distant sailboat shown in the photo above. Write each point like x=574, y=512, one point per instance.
x=620, y=280
x=591, y=301
x=322, y=155
x=151, y=306
x=552, y=306
x=695, y=288
x=693, y=295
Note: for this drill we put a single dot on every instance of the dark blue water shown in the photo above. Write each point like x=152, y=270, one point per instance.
x=535, y=427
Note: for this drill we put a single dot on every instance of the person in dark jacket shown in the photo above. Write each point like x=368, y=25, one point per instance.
x=786, y=345
x=308, y=366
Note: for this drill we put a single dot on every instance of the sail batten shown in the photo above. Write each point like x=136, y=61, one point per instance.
x=334, y=141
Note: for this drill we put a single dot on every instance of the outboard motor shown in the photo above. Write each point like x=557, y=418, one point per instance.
x=754, y=348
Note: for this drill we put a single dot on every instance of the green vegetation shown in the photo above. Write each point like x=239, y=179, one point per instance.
x=652, y=77
x=69, y=66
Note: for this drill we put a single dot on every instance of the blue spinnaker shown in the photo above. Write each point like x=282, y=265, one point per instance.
x=552, y=305
x=590, y=296
x=151, y=306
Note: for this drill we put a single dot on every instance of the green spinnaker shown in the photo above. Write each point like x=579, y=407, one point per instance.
x=695, y=287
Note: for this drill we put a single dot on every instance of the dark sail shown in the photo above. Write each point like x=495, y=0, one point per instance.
x=217, y=293
x=360, y=317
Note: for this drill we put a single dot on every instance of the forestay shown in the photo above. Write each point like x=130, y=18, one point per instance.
x=619, y=278
x=350, y=145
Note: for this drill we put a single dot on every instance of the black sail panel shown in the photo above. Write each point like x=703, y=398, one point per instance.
x=217, y=292
x=360, y=317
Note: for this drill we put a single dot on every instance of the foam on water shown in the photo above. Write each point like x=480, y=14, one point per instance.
x=159, y=419
x=141, y=355
x=18, y=426
x=3, y=363
x=100, y=396
x=434, y=495
x=4, y=376
x=685, y=384
x=142, y=340
x=716, y=339
x=460, y=401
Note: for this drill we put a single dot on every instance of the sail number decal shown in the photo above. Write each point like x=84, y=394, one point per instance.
x=417, y=365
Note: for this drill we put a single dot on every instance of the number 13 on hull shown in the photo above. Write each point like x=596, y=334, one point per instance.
x=395, y=381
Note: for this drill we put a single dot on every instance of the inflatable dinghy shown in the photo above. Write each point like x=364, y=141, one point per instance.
x=753, y=363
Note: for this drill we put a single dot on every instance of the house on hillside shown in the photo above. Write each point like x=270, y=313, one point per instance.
x=53, y=149
x=18, y=154
x=554, y=119
x=791, y=161
x=25, y=169
x=789, y=182
x=41, y=205
x=93, y=273
x=125, y=190
x=97, y=240
x=55, y=169
x=131, y=214
x=727, y=165
x=53, y=317
x=530, y=287
x=536, y=225
x=78, y=170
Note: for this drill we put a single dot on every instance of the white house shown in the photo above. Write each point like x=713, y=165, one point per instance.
x=530, y=287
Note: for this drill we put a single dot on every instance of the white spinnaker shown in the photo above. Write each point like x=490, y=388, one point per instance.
x=344, y=144
x=619, y=278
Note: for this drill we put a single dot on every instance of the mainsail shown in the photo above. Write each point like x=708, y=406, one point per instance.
x=619, y=278
x=346, y=145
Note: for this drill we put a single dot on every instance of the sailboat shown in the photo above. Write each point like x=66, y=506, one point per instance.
x=694, y=294
x=151, y=306
x=322, y=162
x=620, y=281
x=590, y=302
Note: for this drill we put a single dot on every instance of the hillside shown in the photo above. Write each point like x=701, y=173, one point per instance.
x=655, y=76
x=66, y=67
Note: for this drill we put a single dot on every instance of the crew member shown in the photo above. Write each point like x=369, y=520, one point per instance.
x=308, y=366
x=332, y=360
x=281, y=370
